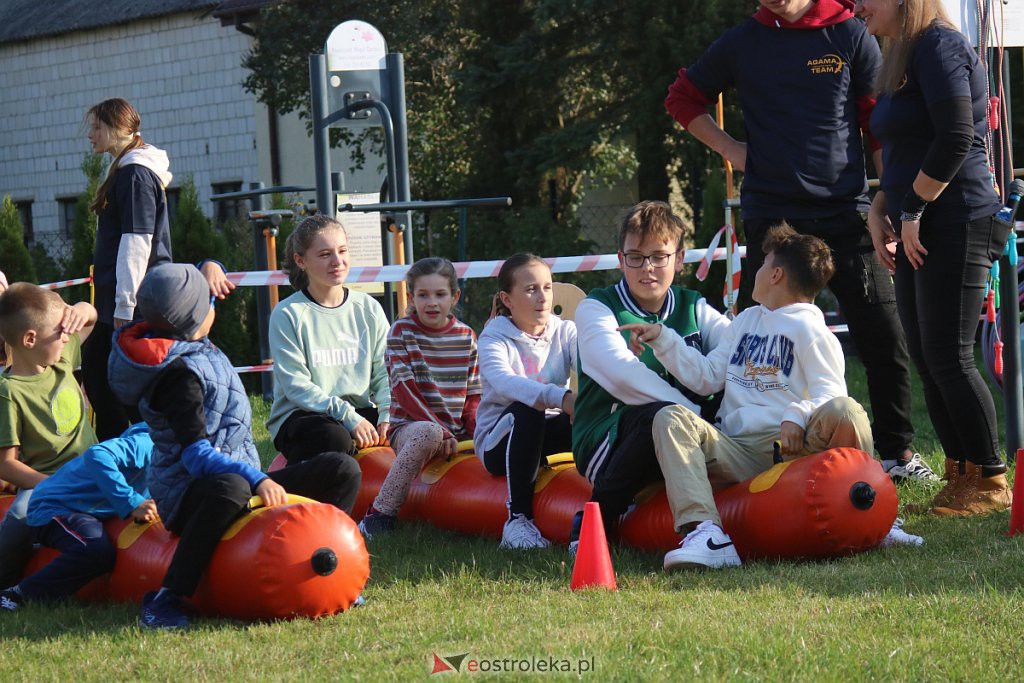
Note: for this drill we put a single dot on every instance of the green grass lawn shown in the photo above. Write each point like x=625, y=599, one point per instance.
x=948, y=611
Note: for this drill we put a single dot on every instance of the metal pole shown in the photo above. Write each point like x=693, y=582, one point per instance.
x=730, y=229
x=262, y=295
x=395, y=74
x=1013, y=384
x=321, y=140
x=463, y=229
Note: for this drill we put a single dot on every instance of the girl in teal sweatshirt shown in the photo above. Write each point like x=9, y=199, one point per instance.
x=330, y=383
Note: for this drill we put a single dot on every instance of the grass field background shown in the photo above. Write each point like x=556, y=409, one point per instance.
x=951, y=610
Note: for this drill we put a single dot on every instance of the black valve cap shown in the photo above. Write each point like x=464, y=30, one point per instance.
x=862, y=495
x=324, y=561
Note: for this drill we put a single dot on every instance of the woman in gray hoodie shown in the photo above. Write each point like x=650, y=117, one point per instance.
x=526, y=355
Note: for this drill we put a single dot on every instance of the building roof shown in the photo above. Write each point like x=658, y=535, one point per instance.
x=28, y=19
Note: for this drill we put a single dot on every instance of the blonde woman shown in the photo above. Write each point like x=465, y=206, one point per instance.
x=937, y=203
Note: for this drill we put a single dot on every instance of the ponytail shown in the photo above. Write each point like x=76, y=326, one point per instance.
x=507, y=278
x=122, y=119
x=99, y=201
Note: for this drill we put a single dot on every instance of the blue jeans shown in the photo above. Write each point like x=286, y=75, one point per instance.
x=15, y=540
x=86, y=553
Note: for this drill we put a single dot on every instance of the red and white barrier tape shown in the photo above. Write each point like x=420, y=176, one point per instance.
x=267, y=367
x=67, y=283
x=468, y=269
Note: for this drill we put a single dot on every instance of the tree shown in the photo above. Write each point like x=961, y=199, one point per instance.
x=194, y=239
x=530, y=99
x=83, y=232
x=17, y=262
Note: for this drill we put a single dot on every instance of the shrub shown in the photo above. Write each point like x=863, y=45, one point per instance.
x=17, y=262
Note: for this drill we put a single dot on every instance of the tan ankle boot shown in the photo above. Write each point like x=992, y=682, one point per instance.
x=954, y=482
x=979, y=496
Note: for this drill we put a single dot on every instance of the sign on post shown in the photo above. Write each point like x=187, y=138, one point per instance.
x=364, y=237
x=356, y=55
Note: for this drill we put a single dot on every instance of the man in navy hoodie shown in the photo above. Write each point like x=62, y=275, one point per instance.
x=804, y=72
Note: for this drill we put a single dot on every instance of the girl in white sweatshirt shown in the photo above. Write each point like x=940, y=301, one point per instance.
x=525, y=413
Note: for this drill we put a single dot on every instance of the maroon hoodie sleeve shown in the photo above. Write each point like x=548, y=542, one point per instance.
x=865, y=105
x=685, y=102
x=469, y=414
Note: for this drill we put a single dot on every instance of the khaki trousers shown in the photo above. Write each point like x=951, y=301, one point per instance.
x=697, y=459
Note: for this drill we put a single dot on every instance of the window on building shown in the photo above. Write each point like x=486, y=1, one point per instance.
x=68, y=209
x=226, y=209
x=25, y=212
x=173, y=196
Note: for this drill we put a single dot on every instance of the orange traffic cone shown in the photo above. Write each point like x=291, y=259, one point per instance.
x=593, y=568
x=1017, y=508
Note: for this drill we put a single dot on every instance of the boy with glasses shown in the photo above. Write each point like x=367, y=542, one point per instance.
x=619, y=392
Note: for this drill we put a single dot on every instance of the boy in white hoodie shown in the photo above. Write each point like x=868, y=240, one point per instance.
x=783, y=375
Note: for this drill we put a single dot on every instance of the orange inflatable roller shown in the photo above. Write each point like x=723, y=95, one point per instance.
x=838, y=502
x=302, y=559
x=832, y=503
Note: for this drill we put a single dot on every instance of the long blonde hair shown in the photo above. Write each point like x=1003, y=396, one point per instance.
x=915, y=17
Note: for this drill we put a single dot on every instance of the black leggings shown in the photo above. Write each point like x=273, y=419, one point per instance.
x=939, y=305
x=631, y=463
x=521, y=453
x=305, y=435
x=112, y=417
x=210, y=505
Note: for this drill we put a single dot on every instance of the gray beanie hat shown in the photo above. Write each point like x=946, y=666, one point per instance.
x=174, y=298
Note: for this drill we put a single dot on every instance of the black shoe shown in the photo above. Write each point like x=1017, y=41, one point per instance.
x=165, y=611
x=574, y=533
x=376, y=524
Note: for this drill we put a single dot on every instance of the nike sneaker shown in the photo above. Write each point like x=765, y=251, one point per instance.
x=707, y=546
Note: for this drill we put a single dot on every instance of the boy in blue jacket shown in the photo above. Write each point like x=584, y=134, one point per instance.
x=68, y=508
x=205, y=466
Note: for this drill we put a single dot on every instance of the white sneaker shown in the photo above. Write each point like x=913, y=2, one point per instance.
x=521, y=534
x=916, y=469
x=705, y=546
x=897, y=536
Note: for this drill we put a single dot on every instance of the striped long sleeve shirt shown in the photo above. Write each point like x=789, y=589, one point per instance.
x=435, y=376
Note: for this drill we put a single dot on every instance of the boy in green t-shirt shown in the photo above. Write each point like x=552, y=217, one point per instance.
x=42, y=410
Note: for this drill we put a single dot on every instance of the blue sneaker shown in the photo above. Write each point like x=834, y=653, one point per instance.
x=11, y=599
x=376, y=524
x=165, y=611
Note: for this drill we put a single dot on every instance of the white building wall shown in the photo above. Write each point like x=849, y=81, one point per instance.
x=184, y=75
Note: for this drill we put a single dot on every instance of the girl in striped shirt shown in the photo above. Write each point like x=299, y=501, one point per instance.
x=435, y=385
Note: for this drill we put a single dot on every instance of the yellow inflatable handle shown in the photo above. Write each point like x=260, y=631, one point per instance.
x=257, y=502
x=134, y=532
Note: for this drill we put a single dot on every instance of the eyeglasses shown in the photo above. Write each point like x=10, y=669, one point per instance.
x=634, y=260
